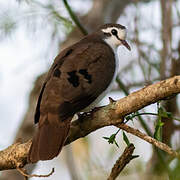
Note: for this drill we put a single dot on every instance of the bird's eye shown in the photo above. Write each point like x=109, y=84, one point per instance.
x=114, y=32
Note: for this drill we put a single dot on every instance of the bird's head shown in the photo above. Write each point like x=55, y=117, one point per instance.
x=114, y=35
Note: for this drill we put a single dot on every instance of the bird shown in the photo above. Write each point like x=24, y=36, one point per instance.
x=81, y=75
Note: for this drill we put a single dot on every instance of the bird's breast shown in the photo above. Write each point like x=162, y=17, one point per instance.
x=107, y=90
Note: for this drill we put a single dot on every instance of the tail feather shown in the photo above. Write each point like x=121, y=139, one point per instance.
x=49, y=139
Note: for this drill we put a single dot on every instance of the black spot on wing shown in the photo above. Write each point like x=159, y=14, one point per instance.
x=73, y=78
x=87, y=76
x=57, y=73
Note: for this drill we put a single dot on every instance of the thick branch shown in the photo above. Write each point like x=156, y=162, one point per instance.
x=14, y=156
x=112, y=114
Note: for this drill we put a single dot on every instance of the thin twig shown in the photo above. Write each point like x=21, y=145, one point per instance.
x=153, y=114
x=24, y=173
x=123, y=160
x=122, y=86
x=74, y=18
x=149, y=139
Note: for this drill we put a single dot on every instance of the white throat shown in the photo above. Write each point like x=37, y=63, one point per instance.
x=115, y=49
x=111, y=43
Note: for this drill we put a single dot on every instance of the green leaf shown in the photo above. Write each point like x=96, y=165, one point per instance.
x=128, y=117
x=160, y=111
x=116, y=143
x=161, y=124
x=112, y=138
x=169, y=114
x=157, y=133
x=166, y=114
x=125, y=138
x=158, y=129
x=107, y=138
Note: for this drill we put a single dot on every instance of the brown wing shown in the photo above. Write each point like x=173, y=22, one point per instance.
x=76, y=79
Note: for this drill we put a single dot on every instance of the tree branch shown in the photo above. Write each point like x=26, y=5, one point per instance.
x=74, y=18
x=149, y=139
x=123, y=160
x=15, y=156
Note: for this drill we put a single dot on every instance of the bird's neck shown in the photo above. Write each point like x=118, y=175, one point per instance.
x=113, y=47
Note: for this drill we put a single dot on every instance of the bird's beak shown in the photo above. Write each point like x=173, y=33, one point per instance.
x=124, y=42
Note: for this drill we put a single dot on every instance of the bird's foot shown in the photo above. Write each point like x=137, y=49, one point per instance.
x=82, y=115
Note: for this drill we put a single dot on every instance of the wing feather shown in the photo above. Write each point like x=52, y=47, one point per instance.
x=85, y=71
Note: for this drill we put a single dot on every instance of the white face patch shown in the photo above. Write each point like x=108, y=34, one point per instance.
x=112, y=40
x=121, y=32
